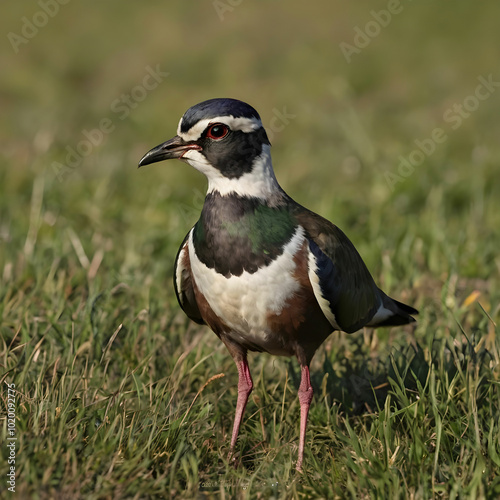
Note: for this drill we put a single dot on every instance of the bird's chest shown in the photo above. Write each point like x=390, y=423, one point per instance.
x=260, y=288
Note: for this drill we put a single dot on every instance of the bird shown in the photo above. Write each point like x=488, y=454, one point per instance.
x=263, y=272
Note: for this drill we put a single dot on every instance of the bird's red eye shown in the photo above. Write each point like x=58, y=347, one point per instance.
x=217, y=131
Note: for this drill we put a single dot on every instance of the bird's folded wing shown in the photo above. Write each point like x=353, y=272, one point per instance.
x=183, y=283
x=342, y=284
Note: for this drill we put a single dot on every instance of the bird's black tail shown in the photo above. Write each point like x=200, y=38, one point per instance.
x=402, y=313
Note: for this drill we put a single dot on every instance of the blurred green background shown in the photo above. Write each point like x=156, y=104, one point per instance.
x=89, y=246
x=351, y=120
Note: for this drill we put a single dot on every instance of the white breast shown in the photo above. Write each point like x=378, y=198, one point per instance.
x=244, y=302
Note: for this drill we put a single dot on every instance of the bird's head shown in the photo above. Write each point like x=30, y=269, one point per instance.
x=225, y=140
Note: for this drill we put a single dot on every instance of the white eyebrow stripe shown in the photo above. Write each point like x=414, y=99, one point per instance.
x=234, y=123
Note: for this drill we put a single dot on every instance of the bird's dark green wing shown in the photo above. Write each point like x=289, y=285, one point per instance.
x=183, y=283
x=341, y=281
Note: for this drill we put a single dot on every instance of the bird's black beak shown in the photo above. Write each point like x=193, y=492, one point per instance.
x=174, y=148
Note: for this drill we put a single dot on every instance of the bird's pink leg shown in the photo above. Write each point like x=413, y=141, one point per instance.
x=245, y=386
x=305, y=397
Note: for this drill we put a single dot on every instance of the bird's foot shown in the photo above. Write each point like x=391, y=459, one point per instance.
x=233, y=459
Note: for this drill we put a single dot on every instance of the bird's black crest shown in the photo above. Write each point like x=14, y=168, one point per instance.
x=217, y=107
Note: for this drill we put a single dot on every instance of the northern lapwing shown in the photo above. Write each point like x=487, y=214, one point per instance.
x=263, y=272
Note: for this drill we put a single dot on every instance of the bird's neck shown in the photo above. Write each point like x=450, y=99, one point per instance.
x=259, y=183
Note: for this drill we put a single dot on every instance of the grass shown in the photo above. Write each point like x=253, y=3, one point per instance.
x=118, y=395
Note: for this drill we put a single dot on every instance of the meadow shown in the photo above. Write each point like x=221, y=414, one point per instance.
x=383, y=119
